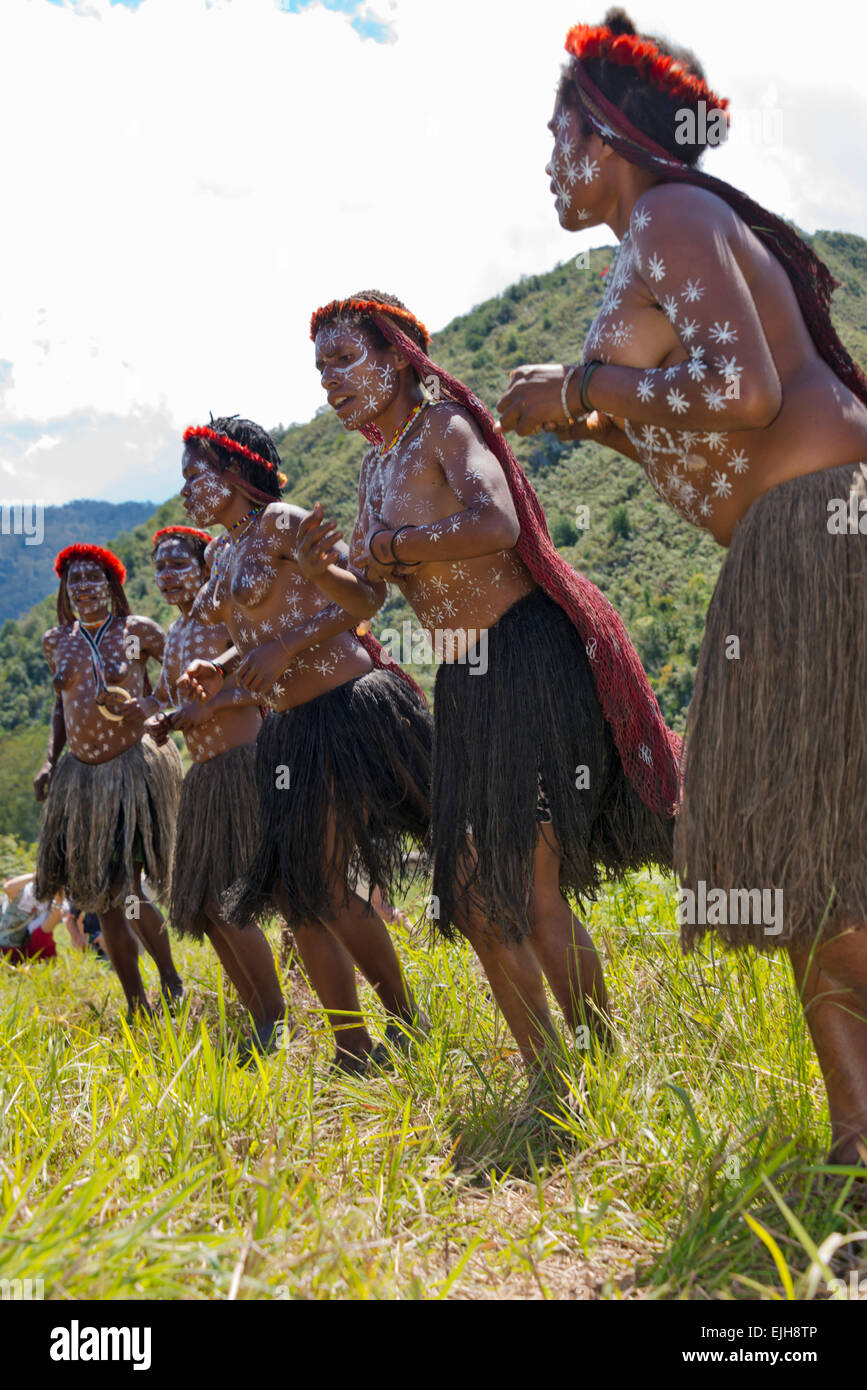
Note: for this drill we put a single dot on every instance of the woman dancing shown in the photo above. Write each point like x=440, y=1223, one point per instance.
x=714, y=364
x=552, y=765
x=111, y=799
x=216, y=823
x=342, y=759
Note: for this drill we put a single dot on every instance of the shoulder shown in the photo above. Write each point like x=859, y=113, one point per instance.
x=137, y=625
x=279, y=517
x=669, y=208
x=51, y=641
x=447, y=423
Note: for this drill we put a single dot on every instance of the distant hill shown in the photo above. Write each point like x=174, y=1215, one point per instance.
x=29, y=544
x=654, y=567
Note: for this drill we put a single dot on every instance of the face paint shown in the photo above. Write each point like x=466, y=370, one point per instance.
x=360, y=380
x=204, y=493
x=87, y=585
x=177, y=572
x=571, y=170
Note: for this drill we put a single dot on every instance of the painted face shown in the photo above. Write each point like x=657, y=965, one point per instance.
x=87, y=586
x=574, y=170
x=178, y=574
x=204, y=494
x=360, y=379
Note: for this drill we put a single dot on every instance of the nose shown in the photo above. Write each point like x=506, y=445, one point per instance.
x=548, y=170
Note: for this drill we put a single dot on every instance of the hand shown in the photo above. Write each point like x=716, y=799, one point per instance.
x=596, y=426
x=42, y=780
x=263, y=667
x=158, y=727
x=130, y=711
x=201, y=680
x=189, y=716
x=533, y=399
x=316, y=545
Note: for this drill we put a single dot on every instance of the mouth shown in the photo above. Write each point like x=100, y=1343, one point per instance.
x=338, y=403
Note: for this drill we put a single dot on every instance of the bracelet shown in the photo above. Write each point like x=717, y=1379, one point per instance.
x=382, y=532
x=564, y=391
x=217, y=668
x=411, y=564
x=283, y=645
x=589, y=369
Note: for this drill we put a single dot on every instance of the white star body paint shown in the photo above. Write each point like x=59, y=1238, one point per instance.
x=353, y=376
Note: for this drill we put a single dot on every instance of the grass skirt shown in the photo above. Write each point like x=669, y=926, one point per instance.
x=776, y=755
x=100, y=818
x=534, y=711
x=344, y=787
x=216, y=836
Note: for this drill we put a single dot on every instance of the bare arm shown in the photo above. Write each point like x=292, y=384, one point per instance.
x=57, y=735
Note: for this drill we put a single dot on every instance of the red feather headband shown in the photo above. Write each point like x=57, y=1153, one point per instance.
x=110, y=563
x=586, y=41
x=171, y=531
x=232, y=445
x=339, y=307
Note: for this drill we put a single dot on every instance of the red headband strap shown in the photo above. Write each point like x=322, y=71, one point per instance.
x=110, y=563
x=169, y=532
x=340, y=307
x=630, y=50
x=232, y=445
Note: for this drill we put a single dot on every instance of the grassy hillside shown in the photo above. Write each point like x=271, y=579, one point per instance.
x=149, y=1165
x=655, y=568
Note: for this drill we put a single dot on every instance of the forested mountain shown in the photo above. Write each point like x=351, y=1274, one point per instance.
x=654, y=567
x=28, y=544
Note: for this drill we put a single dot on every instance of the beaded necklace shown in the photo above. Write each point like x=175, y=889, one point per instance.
x=229, y=540
x=402, y=429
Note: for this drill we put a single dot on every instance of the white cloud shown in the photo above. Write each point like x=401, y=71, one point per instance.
x=184, y=182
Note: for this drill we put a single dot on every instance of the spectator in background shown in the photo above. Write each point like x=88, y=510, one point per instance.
x=26, y=925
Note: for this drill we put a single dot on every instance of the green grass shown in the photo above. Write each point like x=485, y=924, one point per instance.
x=147, y=1164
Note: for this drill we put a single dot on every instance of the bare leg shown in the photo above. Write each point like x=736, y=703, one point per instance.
x=332, y=975
x=833, y=990
x=563, y=945
x=247, y=960
x=122, y=949
x=149, y=925
x=362, y=932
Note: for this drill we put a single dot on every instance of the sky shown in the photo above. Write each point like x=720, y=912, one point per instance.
x=186, y=180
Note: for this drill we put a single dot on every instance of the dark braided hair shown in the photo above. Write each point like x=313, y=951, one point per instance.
x=252, y=436
x=650, y=108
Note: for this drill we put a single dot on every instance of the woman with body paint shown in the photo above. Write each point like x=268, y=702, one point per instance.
x=714, y=364
x=217, y=815
x=343, y=756
x=112, y=797
x=552, y=766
